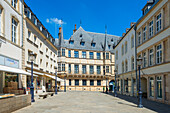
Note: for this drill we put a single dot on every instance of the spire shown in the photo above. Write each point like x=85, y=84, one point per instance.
x=105, y=37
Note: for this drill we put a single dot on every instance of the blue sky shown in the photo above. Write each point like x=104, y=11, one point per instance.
x=94, y=14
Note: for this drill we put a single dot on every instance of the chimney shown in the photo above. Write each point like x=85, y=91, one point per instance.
x=123, y=34
x=74, y=29
x=132, y=23
x=127, y=29
x=59, y=34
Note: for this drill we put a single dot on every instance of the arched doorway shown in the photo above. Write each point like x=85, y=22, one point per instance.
x=144, y=87
x=111, y=86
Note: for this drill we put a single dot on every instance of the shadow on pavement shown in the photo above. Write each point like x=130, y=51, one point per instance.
x=152, y=105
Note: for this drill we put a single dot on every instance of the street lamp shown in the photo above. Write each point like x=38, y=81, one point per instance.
x=139, y=60
x=64, y=83
x=55, y=68
x=32, y=58
x=115, y=83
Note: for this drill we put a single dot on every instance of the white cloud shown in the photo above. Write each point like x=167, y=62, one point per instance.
x=55, y=20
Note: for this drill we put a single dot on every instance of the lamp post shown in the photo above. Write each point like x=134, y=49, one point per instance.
x=115, y=83
x=32, y=58
x=55, y=68
x=64, y=83
x=139, y=60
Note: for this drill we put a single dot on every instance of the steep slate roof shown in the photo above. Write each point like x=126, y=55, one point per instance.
x=89, y=37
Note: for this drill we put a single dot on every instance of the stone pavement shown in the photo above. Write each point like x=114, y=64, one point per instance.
x=86, y=102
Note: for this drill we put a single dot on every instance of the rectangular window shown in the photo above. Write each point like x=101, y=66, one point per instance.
x=116, y=55
x=84, y=69
x=29, y=34
x=59, y=53
x=107, y=55
x=69, y=68
x=98, y=82
x=151, y=87
x=159, y=54
x=159, y=87
x=82, y=43
x=91, y=82
x=122, y=50
x=83, y=54
x=139, y=38
x=132, y=42
x=126, y=66
x=35, y=39
x=122, y=67
x=151, y=29
x=63, y=52
x=59, y=67
x=35, y=22
x=126, y=47
x=91, y=69
x=84, y=83
x=76, y=68
x=69, y=82
x=14, y=30
x=144, y=33
x=150, y=57
x=69, y=53
x=107, y=69
x=76, y=54
x=63, y=67
x=144, y=60
x=98, y=56
x=14, y=3
x=133, y=65
x=158, y=23
x=91, y=55
x=76, y=82
x=0, y=21
x=98, y=70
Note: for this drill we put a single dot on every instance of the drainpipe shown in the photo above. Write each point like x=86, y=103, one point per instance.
x=22, y=22
x=136, y=62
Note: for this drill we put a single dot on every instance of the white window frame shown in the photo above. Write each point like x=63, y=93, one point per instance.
x=139, y=38
x=159, y=54
x=151, y=56
x=144, y=34
x=150, y=29
x=14, y=30
x=158, y=22
x=144, y=60
x=14, y=3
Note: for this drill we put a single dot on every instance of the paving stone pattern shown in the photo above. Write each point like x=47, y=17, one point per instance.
x=85, y=102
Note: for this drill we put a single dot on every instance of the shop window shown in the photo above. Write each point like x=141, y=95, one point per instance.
x=159, y=87
x=151, y=87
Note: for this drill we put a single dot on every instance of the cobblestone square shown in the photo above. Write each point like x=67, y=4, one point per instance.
x=89, y=102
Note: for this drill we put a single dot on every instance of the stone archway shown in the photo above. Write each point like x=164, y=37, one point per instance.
x=144, y=87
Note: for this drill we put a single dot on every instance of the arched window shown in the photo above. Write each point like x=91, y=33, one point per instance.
x=132, y=41
x=126, y=47
x=122, y=50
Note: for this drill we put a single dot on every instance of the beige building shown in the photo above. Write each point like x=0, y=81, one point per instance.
x=40, y=42
x=82, y=58
x=152, y=35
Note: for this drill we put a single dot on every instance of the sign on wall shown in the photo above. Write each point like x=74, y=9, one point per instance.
x=9, y=62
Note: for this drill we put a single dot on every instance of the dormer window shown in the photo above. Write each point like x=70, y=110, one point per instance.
x=93, y=44
x=81, y=35
x=71, y=42
x=112, y=40
x=28, y=14
x=109, y=46
x=40, y=28
x=35, y=21
x=82, y=43
x=47, y=35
